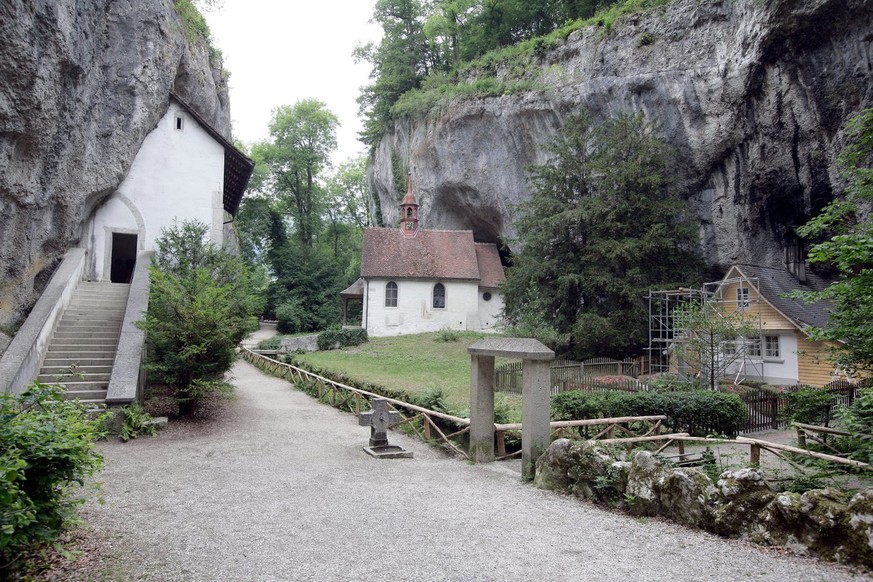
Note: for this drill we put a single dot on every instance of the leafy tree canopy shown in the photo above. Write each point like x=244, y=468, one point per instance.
x=600, y=230
x=845, y=233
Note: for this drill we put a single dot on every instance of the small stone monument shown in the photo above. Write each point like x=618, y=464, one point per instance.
x=379, y=419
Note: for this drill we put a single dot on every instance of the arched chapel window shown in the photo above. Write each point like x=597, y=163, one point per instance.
x=409, y=213
x=439, y=296
x=391, y=294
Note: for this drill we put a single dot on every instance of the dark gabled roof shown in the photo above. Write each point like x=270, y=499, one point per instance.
x=430, y=254
x=773, y=283
x=238, y=167
x=490, y=269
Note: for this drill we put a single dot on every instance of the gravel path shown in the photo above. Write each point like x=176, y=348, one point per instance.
x=278, y=488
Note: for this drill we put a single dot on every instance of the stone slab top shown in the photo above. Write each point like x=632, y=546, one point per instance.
x=512, y=347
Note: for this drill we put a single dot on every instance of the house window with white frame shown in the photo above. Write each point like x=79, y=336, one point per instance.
x=391, y=294
x=744, y=299
x=754, y=347
x=439, y=296
x=771, y=346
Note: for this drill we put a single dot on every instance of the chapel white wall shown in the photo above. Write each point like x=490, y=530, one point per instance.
x=176, y=175
x=489, y=311
x=415, y=313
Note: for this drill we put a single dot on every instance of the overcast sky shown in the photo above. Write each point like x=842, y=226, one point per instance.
x=279, y=52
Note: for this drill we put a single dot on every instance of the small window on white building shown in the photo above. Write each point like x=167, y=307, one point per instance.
x=486, y=296
x=743, y=298
x=180, y=122
x=771, y=346
x=754, y=347
x=391, y=294
x=729, y=349
x=439, y=296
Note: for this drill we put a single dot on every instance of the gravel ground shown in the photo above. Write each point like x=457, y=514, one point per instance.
x=278, y=488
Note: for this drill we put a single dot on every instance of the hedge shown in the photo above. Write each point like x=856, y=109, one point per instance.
x=343, y=338
x=696, y=412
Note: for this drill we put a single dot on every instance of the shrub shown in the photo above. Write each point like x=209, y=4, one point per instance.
x=200, y=305
x=47, y=446
x=698, y=412
x=137, y=422
x=446, y=335
x=328, y=340
x=808, y=405
x=858, y=420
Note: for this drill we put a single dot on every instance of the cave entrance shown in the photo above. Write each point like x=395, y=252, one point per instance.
x=123, y=257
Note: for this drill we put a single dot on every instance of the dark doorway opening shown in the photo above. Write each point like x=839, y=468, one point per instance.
x=123, y=257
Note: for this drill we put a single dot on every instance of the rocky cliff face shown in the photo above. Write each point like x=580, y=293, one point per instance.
x=752, y=96
x=82, y=82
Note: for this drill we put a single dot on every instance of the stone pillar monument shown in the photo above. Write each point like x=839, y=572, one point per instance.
x=535, y=433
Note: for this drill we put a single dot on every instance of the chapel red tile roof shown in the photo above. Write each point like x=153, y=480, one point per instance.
x=430, y=254
x=490, y=269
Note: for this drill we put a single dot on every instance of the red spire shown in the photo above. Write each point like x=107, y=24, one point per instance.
x=409, y=212
x=409, y=199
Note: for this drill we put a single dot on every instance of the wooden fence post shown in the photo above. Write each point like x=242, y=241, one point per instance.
x=755, y=455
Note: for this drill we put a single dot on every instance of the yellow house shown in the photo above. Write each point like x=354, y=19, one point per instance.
x=784, y=353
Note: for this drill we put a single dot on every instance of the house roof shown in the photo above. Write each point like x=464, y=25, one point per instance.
x=490, y=268
x=238, y=167
x=773, y=283
x=356, y=289
x=430, y=254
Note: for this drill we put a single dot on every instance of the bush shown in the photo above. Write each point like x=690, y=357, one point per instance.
x=328, y=340
x=137, y=422
x=858, y=420
x=446, y=335
x=698, y=412
x=47, y=446
x=290, y=317
x=200, y=305
x=808, y=405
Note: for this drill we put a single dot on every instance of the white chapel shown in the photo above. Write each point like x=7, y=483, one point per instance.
x=415, y=280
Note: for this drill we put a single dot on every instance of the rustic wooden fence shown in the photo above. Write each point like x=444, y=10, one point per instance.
x=765, y=407
x=567, y=374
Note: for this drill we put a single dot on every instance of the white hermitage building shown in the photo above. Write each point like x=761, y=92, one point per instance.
x=415, y=280
x=184, y=170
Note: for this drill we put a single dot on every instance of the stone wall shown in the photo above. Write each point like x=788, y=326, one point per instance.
x=821, y=522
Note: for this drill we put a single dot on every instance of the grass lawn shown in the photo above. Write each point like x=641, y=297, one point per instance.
x=413, y=362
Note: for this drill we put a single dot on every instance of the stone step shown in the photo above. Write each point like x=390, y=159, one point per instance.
x=108, y=340
x=67, y=334
x=66, y=362
x=93, y=318
x=87, y=370
x=75, y=344
x=84, y=392
x=85, y=325
x=82, y=355
x=76, y=376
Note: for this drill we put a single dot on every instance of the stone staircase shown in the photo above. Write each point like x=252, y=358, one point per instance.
x=82, y=350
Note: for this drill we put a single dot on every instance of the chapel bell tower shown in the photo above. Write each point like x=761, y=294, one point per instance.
x=409, y=212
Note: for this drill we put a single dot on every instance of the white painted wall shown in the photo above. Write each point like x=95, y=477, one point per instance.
x=414, y=312
x=776, y=371
x=177, y=174
x=489, y=311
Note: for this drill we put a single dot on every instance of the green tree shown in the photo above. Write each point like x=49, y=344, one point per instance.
x=845, y=232
x=599, y=231
x=200, y=305
x=711, y=339
x=303, y=137
x=400, y=61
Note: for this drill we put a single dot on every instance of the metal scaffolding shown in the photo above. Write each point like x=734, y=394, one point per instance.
x=725, y=307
